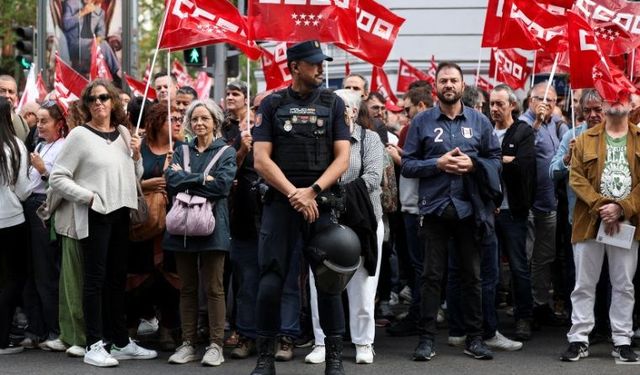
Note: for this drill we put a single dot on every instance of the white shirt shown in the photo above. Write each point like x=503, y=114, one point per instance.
x=48, y=152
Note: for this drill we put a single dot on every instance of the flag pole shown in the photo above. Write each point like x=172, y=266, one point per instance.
x=633, y=61
x=326, y=68
x=551, y=76
x=248, y=94
x=533, y=69
x=573, y=113
x=495, y=69
x=153, y=63
x=478, y=68
x=169, y=83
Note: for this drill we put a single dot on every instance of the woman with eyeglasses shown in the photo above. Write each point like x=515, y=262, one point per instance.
x=152, y=282
x=95, y=178
x=14, y=188
x=41, y=293
x=206, y=254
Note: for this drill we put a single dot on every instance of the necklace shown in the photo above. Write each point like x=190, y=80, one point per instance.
x=45, y=151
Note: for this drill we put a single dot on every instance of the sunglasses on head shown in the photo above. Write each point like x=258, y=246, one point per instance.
x=102, y=97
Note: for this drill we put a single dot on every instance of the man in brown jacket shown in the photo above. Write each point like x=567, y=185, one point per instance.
x=605, y=175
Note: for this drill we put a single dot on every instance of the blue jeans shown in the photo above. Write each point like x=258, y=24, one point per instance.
x=244, y=259
x=512, y=234
x=489, y=273
x=416, y=255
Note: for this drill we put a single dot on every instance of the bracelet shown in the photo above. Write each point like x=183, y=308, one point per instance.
x=316, y=188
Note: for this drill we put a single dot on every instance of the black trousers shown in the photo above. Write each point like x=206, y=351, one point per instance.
x=284, y=231
x=105, y=274
x=13, y=257
x=436, y=231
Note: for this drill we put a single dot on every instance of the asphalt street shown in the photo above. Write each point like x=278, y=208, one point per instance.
x=393, y=356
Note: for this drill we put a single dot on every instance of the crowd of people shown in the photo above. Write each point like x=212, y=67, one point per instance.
x=214, y=226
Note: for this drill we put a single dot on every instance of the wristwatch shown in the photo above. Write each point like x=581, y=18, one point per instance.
x=316, y=188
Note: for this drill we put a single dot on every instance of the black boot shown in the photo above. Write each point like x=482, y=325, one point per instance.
x=265, y=365
x=333, y=356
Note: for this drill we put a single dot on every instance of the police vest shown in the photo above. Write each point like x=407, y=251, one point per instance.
x=302, y=134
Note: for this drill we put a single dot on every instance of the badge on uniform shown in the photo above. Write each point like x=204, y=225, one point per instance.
x=288, y=126
x=467, y=132
x=313, y=119
x=320, y=123
x=294, y=119
x=258, y=120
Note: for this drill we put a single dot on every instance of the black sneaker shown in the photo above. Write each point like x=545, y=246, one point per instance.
x=575, y=351
x=625, y=353
x=405, y=327
x=477, y=349
x=424, y=351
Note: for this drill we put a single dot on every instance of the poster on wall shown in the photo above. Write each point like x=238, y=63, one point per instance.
x=72, y=26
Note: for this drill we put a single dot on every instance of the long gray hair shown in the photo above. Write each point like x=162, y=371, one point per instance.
x=214, y=110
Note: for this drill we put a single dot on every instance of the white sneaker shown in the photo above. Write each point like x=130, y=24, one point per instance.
x=213, y=356
x=456, y=340
x=55, y=345
x=364, y=354
x=394, y=299
x=405, y=294
x=132, y=351
x=502, y=343
x=98, y=356
x=185, y=353
x=76, y=351
x=316, y=356
x=148, y=327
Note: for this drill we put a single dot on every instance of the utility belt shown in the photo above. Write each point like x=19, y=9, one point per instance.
x=332, y=199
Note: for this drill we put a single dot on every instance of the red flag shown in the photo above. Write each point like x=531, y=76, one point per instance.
x=42, y=87
x=147, y=73
x=493, y=23
x=616, y=23
x=182, y=75
x=544, y=62
x=407, y=74
x=296, y=21
x=30, y=93
x=193, y=23
x=634, y=62
x=203, y=85
x=589, y=66
x=99, y=68
x=380, y=83
x=377, y=32
x=274, y=67
x=68, y=84
x=484, y=84
x=511, y=69
x=137, y=88
x=433, y=69
x=529, y=26
x=347, y=69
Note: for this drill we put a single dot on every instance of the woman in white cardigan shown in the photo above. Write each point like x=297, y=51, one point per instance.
x=14, y=188
x=95, y=174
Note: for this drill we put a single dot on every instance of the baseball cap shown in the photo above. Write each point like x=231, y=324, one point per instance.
x=238, y=85
x=308, y=51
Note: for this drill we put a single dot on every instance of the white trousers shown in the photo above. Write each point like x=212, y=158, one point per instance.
x=361, y=290
x=588, y=257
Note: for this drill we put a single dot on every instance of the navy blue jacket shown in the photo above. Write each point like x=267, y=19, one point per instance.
x=432, y=134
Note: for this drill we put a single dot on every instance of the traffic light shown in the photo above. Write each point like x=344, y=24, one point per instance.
x=194, y=57
x=24, y=46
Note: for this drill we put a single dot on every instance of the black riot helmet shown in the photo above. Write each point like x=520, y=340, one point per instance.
x=334, y=256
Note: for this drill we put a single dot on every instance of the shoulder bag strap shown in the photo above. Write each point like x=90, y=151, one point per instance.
x=185, y=158
x=214, y=160
x=363, y=133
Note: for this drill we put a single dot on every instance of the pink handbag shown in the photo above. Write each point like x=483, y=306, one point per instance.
x=192, y=215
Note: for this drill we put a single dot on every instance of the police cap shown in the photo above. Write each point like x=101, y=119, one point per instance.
x=308, y=51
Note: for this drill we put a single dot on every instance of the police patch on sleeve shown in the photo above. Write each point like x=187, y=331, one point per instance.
x=258, y=120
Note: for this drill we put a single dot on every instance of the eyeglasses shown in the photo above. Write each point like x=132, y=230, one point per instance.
x=200, y=118
x=176, y=119
x=102, y=97
x=540, y=99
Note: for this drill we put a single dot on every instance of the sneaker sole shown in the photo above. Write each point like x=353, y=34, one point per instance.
x=423, y=358
x=130, y=357
x=212, y=364
x=94, y=363
x=475, y=356
x=575, y=359
x=364, y=361
x=615, y=354
x=188, y=359
x=313, y=362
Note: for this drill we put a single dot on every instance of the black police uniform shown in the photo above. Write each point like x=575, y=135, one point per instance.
x=302, y=132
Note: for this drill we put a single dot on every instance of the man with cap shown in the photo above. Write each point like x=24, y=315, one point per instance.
x=301, y=148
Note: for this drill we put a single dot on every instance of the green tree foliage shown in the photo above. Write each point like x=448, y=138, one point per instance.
x=14, y=13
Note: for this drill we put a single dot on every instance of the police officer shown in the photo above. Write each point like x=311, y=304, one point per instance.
x=451, y=148
x=301, y=148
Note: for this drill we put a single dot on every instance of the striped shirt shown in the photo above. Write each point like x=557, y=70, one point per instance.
x=372, y=162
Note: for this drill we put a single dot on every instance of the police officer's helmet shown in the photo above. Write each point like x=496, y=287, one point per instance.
x=334, y=256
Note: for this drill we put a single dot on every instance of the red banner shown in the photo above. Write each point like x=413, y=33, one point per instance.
x=407, y=74
x=544, y=62
x=616, y=23
x=137, y=88
x=193, y=23
x=529, y=26
x=378, y=29
x=42, y=87
x=493, y=23
x=203, y=85
x=510, y=68
x=68, y=84
x=332, y=21
x=484, y=84
x=380, y=83
x=274, y=67
x=182, y=75
x=99, y=68
x=589, y=66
